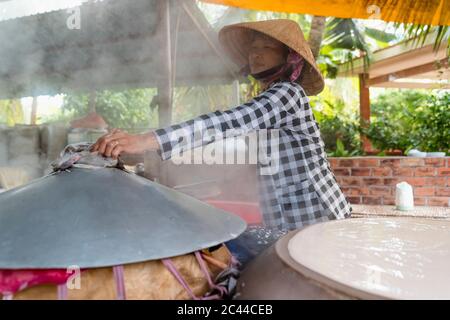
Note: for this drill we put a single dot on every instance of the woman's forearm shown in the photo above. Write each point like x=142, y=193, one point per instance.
x=149, y=141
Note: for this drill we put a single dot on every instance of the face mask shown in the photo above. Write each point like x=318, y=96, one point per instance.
x=267, y=73
x=293, y=67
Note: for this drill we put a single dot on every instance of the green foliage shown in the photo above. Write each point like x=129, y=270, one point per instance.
x=411, y=119
x=336, y=110
x=341, y=151
x=419, y=33
x=432, y=124
x=347, y=39
x=131, y=109
x=402, y=119
x=190, y=102
x=379, y=35
x=127, y=109
x=339, y=129
x=11, y=112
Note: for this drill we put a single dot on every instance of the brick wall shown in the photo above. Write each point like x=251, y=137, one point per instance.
x=372, y=180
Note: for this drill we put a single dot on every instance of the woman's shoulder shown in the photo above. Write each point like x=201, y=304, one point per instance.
x=287, y=88
x=286, y=84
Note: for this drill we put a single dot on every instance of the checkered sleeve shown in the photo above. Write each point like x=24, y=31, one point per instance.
x=271, y=109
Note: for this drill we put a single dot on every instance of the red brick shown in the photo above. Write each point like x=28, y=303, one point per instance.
x=381, y=172
x=354, y=200
x=424, y=172
x=390, y=162
x=351, y=191
x=391, y=181
x=380, y=191
x=369, y=162
x=361, y=172
x=389, y=201
x=436, y=181
x=350, y=181
x=412, y=162
x=403, y=172
x=349, y=163
x=371, y=200
x=443, y=172
x=364, y=191
x=436, y=162
x=424, y=191
x=416, y=181
x=448, y=162
x=443, y=191
x=372, y=181
x=333, y=162
x=341, y=172
x=438, y=201
x=345, y=189
x=420, y=201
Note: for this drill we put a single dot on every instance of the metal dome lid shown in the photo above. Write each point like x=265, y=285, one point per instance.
x=103, y=217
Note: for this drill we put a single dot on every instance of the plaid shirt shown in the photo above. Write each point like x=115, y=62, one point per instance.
x=304, y=189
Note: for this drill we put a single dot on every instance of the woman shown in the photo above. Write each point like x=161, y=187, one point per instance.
x=303, y=190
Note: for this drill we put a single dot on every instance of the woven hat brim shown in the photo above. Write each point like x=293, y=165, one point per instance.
x=236, y=39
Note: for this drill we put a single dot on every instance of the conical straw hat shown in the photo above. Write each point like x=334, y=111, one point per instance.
x=236, y=40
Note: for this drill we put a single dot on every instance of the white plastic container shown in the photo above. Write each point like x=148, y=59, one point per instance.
x=416, y=153
x=436, y=154
x=404, y=197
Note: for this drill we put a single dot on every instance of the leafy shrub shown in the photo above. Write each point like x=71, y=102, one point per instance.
x=411, y=119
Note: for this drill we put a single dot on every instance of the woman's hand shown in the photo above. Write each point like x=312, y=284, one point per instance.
x=117, y=142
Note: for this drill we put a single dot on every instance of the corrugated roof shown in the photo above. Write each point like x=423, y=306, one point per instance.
x=14, y=9
x=116, y=47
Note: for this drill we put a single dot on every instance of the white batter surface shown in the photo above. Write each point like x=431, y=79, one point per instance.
x=399, y=258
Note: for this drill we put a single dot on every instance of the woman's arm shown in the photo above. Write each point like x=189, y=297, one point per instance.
x=117, y=142
x=271, y=109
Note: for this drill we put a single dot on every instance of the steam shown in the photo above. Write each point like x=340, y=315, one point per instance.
x=11, y=9
x=110, y=44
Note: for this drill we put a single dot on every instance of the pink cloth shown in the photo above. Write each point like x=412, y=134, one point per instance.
x=13, y=281
x=297, y=62
x=294, y=63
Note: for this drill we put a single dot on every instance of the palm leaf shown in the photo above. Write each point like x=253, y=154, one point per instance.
x=419, y=33
x=345, y=34
x=380, y=35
